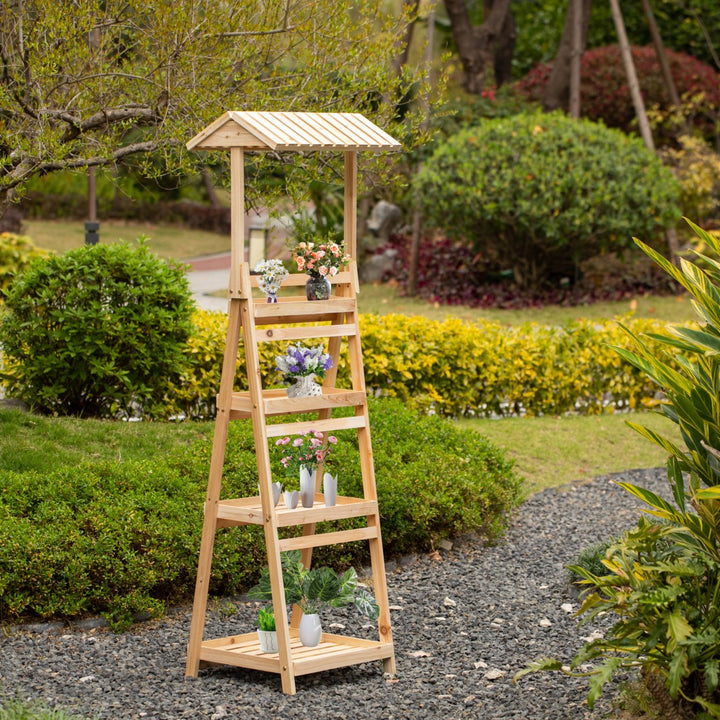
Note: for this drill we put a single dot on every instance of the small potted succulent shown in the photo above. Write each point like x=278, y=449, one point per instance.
x=267, y=632
x=301, y=456
x=301, y=365
x=312, y=590
x=320, y=261
x=272, y=273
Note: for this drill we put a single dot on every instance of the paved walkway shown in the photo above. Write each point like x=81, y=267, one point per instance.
x=209, y=274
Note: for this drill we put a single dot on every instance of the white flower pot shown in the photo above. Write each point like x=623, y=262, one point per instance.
x=276, y=491
x=305, y=386
x=268, y=641
x=310, y=630
x=291, y=498
x=307, y=487
x=330, y=489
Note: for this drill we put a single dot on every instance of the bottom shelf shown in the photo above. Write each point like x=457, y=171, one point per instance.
x=334, y=651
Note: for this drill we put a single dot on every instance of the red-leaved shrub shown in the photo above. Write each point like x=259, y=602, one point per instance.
x=604, y=91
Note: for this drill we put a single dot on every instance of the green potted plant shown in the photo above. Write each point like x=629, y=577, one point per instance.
x=314, y=589
x=266, y=630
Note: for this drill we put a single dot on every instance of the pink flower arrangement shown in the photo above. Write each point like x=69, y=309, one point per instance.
x=307, y=450
x=321, y=260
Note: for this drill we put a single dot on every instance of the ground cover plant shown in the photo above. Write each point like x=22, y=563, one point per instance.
x=661, y=581
x=121, y=537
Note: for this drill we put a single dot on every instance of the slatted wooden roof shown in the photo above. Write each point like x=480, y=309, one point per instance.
x=293, y=131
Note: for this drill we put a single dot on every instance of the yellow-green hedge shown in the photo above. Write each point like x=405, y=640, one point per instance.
x=456, y=367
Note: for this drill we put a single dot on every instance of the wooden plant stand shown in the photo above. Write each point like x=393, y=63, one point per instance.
x=258, y=321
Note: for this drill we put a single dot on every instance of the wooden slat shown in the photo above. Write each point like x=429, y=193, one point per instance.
x=329, y=538
x=305, y=333
x=300, y=279
x=277, y=402
x=247, y=511
x=331, y=425
x=302, y=308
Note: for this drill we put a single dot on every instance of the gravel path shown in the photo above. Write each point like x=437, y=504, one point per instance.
x=464, y=622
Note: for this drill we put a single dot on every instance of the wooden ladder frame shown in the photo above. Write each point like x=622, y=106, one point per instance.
x=258, y=322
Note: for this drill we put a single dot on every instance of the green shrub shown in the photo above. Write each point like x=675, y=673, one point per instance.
x=123, y=538
x=605, y=94
x=661, y=580
x=453, y=367
x=16, y=253
x=99, y=331
x=539, y=193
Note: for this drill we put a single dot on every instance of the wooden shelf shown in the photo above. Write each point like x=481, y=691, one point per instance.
x=299, y=309
x=333, y=651
x=248, y=511
x=276, y=402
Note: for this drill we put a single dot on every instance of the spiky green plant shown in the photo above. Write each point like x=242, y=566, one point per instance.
x=663, y=577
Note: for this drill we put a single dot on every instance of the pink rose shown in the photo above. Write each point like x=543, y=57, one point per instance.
x=300, y=263
x=333, y=271
x=332, y=439
x=323, y=270
x=297, y=442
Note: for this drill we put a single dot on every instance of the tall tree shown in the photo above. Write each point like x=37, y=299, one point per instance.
x=485, y=46
x=557, y=90
x=90, y=83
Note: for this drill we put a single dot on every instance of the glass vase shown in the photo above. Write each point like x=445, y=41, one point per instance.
x=317, y=288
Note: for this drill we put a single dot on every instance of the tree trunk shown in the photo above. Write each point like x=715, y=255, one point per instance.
x=661, y=54
x=576, y=59
x=475, y=44
x=505, y=50
x=633, y=82
x=410, y=10
x=556, y=93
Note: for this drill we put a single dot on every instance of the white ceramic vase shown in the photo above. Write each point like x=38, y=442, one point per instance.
x=307, y=487
x=310, y=630
x=268, y=641
x=330, y=489
x=276, y=492
x=291, y=498
x=305, y=386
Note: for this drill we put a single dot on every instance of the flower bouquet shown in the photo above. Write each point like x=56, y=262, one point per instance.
x=302, y=364
x=272, y=273
x=320, y=261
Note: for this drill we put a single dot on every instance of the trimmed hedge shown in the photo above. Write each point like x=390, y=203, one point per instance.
x=123, y=538
x=454, y=367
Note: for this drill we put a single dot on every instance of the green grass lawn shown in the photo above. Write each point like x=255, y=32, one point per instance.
x=166, y=241
x=553, y=451
x=384, y=299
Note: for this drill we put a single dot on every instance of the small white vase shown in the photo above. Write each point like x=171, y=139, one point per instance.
x=330, y=489
x=310, y=630
x=268, y=641
x=276, y=491
x=305, y=386
x=307, y=487
x=291, y=498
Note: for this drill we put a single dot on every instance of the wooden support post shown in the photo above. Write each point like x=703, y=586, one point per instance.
x=350, y=225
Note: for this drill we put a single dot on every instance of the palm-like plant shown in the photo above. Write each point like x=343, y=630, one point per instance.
x=312, y=589
x=663, y=579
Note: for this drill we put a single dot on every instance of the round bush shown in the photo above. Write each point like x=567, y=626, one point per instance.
x=99, y=331
x=538, y=193
x=604, y=91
